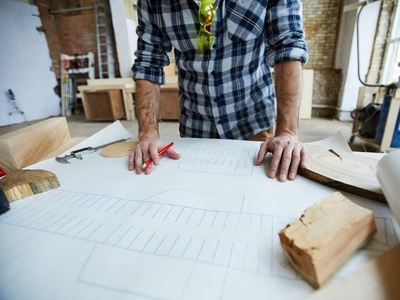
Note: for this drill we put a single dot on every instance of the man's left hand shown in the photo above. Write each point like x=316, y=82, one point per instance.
x=287, y=151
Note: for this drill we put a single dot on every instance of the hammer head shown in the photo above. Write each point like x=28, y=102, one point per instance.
x=63, y=160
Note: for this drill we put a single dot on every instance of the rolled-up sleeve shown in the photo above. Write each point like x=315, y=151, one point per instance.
x=284, y=32
x=151, y=54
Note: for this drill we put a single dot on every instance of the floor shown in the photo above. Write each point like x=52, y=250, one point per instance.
x=309, y=130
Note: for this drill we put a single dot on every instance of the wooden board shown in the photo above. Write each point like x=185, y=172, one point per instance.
x=26, y=146
x=23, y=183
x=378, y=279
x=118, y=150
x=343, y=171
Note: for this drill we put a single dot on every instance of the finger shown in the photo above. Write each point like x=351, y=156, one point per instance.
x=172, y=154
x=285, y=163
x=153, y=150
x=131, y=160
x=138, y=160
x=294, y=165
x=303, y=155
x=148, y=169
x=276, y=159
x=261, y=154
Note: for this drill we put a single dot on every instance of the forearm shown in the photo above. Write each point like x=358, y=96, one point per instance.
x=147, y=106
x=288, y=89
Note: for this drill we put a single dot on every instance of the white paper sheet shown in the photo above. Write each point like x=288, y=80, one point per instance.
x=203, y=227
x=388, y=173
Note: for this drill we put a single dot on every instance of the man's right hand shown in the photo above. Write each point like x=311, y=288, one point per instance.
x=146, y=149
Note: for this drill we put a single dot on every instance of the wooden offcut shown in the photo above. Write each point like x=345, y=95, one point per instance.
x=326, y=236
x=118, y=150
x=24, y=183
x=26, y=146
x=344, y=171
x=379, y=279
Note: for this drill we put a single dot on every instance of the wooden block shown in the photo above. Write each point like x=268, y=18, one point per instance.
x=344, y=171
x=326, y=236
x=31, y=144
x=23, y=183
x=378, y=279
x=68, y=145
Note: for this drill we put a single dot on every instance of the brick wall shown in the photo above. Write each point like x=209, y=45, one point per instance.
x=70, y=33
x=321, y=21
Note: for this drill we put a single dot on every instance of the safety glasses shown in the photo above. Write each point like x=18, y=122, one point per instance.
x=205, y=38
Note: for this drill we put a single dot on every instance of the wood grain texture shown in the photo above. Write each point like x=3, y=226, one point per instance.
x=118, y=150
x=350, y=172
x=26, y=146
x=23, y=183
x=378, y=279
x=326, y=236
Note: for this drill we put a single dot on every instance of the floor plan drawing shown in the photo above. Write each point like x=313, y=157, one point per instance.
x=203, y=227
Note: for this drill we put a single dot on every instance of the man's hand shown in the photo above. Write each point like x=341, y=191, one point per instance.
x=145, y=150
x=287, y=151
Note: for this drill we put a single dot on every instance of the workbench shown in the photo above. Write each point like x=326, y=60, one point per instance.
x=169, y=103
x=203, y=227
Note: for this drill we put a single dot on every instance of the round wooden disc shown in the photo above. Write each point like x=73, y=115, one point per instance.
x=118, y=150
x=345, y=171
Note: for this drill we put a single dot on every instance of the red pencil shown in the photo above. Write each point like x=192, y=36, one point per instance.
x=162, y=151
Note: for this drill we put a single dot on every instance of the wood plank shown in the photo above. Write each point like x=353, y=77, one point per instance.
x=31, y=144
x=343, y=171
x=24, y=183
x=378, y=279
x=326, y=236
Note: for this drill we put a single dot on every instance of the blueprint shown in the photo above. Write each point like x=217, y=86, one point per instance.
x=202, y=227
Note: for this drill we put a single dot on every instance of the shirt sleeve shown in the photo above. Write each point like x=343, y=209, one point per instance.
x=284, y=32
x=152, y=48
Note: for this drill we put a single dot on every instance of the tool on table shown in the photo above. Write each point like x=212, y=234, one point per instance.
x=4, y=205
x=162, y=151
x=84, y=151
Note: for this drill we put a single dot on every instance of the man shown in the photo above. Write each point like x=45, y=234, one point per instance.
x=224, y=51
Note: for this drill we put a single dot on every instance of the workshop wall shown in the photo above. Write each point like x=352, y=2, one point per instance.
x=321, y=21
x=25, y=66
x=70, y=33
x=73, y=33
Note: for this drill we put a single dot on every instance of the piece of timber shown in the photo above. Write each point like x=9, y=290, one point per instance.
x=326, y=236
x=24, y=183
x=26, y=146
x=379, y=279
x=343, y=171
x=118, y=150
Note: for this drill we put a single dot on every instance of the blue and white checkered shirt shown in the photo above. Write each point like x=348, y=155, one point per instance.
x=226, y=92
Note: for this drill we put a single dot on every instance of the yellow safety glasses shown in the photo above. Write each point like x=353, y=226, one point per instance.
x=205, y=38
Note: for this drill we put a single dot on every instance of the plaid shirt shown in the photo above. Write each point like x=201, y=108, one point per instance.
x=226, y=92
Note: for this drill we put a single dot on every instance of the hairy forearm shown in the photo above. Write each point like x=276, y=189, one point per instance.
x=147, y=104
x=288, y=88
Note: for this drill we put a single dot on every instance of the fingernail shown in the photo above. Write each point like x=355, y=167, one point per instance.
x=271, y=174
x=282, y=177
x=292, y=176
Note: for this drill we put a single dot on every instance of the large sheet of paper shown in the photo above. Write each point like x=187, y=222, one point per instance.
x=202, y=227
x=388, y=173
